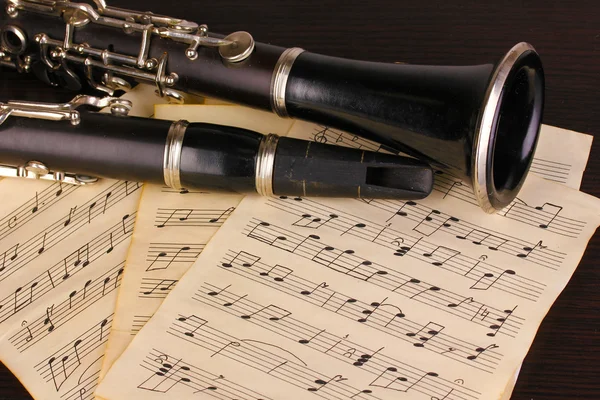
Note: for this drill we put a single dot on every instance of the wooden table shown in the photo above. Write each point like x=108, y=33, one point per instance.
x=564, y=360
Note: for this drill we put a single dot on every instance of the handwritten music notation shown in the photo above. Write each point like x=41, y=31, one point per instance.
x=61, y=268
x=280, y=277
x=191, y=217
x=60, y=314
x=549, y=169
x=544, y=216
x=425, y=221
x=156, y=288
x=18, y=256
x=276, y=361
x=168, y=373
x=172, y=231
x=160, y=256
x=26, y=294
x=332, y=298
x=33, y=207
x=69, y=361
x=484, y=274
x=381, y=315
x=373, y=360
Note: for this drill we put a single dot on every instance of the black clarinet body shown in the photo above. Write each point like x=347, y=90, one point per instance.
x=480, y=123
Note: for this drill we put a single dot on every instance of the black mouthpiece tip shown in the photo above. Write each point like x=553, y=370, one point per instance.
x=313, y=169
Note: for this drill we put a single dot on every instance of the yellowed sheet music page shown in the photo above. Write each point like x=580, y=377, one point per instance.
x=342, y=298
x=561, y=154
x=62, y=255
x=173, y=227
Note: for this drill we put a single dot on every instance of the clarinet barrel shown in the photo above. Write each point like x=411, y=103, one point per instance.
x=480, y=123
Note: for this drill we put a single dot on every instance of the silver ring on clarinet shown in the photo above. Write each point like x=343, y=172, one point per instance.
x=281, y=73
x=172, y=156
x=265, y=164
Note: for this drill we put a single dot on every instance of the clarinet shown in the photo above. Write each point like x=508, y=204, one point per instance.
x=72, y=144
x=480, y=123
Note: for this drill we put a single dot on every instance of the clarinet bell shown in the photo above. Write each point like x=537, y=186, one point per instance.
x=480, y=123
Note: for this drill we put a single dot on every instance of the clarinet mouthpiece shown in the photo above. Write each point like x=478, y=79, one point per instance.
x=303, y=168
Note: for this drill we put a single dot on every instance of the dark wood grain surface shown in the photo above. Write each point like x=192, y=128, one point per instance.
x=564, y=360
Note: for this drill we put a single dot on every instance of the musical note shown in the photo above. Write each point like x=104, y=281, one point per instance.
x=480, y=238
x=482, y=257
x=496, y=327
x=88, y=283
x=90, y=212
x=234, y=344
x=321, y=285
x=402, y=250
x=68, y=221
x=272, y=312
x=229, y=303
x=529, y=250
x=429, y=289
x=487, y=280
x=426, y=333
x=441, y=254
x=467, y=300
x=455, y=184
x=397, y=382
x=279, y=273
x=48, y=320
x=322, y=383
x=41, y=250
x=555, y=213
x=359, y=226
x=60, y=189
x=242, y=255
x=123, y=221
x=163, y=224
x=348, y=301
x=254, y=234
x=163, y=285
x=193, y=320
x=29, y=300
x=106, y=280
x=365, y=358
x=111, y=248
x=308, y=221
x=102, y=325
x=426, y=228
x=82, y=249
x=159, y=255
x=71, y=295
x=164, y=378
x=127, y=192
x=59, y=378
x=401, y=211
x=224, y=213
x=307, y=341
x=106, y=202
x=480, y=351
x=11, y=258
x=37, y=203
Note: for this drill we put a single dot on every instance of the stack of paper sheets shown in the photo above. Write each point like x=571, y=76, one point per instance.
x=292, y=297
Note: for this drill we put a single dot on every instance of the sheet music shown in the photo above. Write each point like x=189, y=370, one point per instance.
x=173, y=227
x=63, y=253
x=361, y=299
x=561, y=155
x=62, y=259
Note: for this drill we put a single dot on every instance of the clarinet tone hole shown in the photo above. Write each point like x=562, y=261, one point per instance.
x=13, y=39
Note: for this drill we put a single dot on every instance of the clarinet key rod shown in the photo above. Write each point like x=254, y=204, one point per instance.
x=60, y=142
